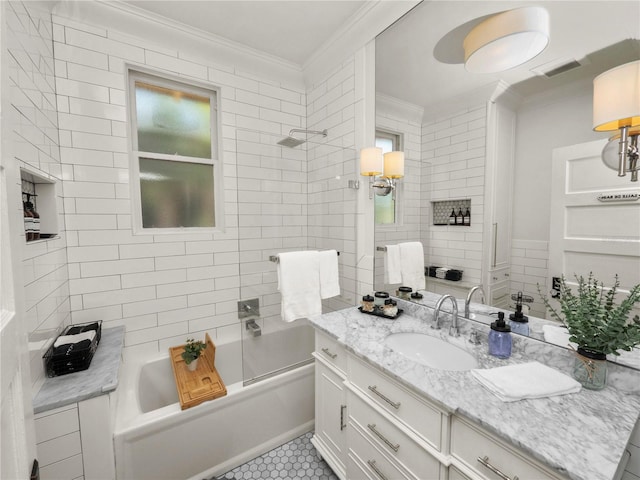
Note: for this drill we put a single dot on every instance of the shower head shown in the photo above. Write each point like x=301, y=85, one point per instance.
x=292, y=142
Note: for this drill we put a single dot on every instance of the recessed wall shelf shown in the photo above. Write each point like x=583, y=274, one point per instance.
x=41, y=192
x=443, y=212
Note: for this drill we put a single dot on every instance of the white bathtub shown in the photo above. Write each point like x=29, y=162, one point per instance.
x=154, y=439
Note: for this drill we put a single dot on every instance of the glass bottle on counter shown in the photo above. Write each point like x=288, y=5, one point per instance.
x=500, y=338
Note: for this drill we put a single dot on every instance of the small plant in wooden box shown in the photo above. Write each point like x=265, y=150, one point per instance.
x=192, y=351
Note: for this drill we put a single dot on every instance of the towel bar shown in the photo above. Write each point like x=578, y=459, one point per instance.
x=275, y=259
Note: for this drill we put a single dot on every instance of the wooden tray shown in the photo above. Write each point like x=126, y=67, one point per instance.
x=204, y=383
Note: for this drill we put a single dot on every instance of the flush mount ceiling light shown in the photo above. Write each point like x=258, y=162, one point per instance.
x=616, y=107
x=506, y=40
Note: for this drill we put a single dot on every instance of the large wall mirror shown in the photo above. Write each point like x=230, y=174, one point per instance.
x=485, y=141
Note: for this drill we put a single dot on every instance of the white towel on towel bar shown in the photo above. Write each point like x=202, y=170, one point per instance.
x=412, y=265
x=329, y=277
x=525, y=380
x=299, y=284
x=392, y=267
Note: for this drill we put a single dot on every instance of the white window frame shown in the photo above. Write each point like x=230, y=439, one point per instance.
x=197, y=88
x=397, y=138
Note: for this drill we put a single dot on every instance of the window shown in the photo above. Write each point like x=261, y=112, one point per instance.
x=176, y=172
x=385, y=207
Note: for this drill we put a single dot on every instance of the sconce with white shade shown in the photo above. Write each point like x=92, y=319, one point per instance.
x=506, y=40
x=616, y=107
x=387, y=168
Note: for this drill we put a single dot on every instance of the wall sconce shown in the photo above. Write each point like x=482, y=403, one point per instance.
x=387, y=168
x=616, y=106
x=506, y=40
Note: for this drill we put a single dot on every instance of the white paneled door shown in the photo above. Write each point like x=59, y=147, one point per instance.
x=595, y=218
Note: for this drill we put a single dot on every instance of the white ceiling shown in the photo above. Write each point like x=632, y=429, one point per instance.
x=291, y=30
x=406, y=64
x=406, y=67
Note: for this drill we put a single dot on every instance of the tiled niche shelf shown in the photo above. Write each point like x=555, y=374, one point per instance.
x=442, y=212
x=41, y=192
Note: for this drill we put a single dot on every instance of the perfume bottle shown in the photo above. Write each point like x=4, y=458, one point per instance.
x=500, y=338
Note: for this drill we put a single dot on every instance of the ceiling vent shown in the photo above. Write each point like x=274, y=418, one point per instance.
x=557, y=67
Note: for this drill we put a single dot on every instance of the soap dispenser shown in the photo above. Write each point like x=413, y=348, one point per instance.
x=500, y=338
x=518, y=321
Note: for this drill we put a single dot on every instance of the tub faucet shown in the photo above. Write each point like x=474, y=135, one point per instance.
x=467, y=302
x=453, y=329
x=253, y=327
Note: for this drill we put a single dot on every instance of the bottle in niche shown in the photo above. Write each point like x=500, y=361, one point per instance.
x=28, y=222
x=460, y=217
x=453, y=218
x=36, y=222
x=467, y=218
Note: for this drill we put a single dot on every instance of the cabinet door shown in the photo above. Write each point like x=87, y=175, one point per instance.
x=331, y=418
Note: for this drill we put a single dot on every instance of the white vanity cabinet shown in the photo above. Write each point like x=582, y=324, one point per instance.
x=370, y=426
x=330, y=430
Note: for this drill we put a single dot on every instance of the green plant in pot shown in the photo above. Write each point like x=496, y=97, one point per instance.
x=192, y=351
x=597, y=325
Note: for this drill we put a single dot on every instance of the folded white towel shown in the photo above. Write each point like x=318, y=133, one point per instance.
x=557, y=336
x=412, y=265
x=392, y=268
x=77, y=338
x=525, y=380
x=329, y=277
x=299, y=284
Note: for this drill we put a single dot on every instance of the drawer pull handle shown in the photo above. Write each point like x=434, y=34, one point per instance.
x=329, y=354
x=342, y=424
x=374, y=467
x=485, y=461
x=374, y=389
x=372, y=427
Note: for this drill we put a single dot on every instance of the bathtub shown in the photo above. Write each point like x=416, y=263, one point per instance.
x=154, y=439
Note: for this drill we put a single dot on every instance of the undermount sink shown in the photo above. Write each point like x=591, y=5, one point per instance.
x=431, y=351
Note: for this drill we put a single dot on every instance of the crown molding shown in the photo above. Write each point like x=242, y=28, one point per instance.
x=140, y=23
x=363, y=27
x=396, y=108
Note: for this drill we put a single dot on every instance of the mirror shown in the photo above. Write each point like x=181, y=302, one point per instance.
x=424, y=93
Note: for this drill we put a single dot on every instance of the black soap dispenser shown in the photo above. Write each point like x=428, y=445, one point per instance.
x=453, y=218
x=518, y=321
x=500, y=338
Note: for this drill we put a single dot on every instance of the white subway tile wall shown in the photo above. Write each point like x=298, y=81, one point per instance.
x=529, y=267
x=163, y=288
x=454, y=148
x=331, y=164
x=34, y=146
x=410, y=196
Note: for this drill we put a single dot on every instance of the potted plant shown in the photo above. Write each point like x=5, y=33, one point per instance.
x=597, y=325
x=192, y=351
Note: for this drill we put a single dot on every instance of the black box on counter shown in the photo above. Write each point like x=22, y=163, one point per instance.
x=73, y=350
x=444, y=273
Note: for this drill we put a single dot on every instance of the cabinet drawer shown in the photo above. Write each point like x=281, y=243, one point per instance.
x=366, y=461
x=331, y=351
x=415, y=413
x=455, y=474
x=390, y=439
x=471, y=446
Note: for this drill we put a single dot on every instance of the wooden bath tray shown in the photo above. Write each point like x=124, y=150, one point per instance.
x=204, y=383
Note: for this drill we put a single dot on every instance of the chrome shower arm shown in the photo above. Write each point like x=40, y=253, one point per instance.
x=314, y=132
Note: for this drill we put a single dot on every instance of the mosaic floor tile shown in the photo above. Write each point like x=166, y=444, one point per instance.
x=292, y=461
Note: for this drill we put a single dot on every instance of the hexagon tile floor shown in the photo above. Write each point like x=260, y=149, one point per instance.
x=292, y=461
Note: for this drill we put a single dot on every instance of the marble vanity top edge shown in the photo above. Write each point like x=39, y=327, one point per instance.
x=100, y=378
x=506, y=421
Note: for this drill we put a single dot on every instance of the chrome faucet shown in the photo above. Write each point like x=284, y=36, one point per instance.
x=467, y=302
x=453, y=329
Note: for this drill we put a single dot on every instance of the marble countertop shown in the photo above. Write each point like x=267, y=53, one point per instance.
x=582, y=436
x=101, y=377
